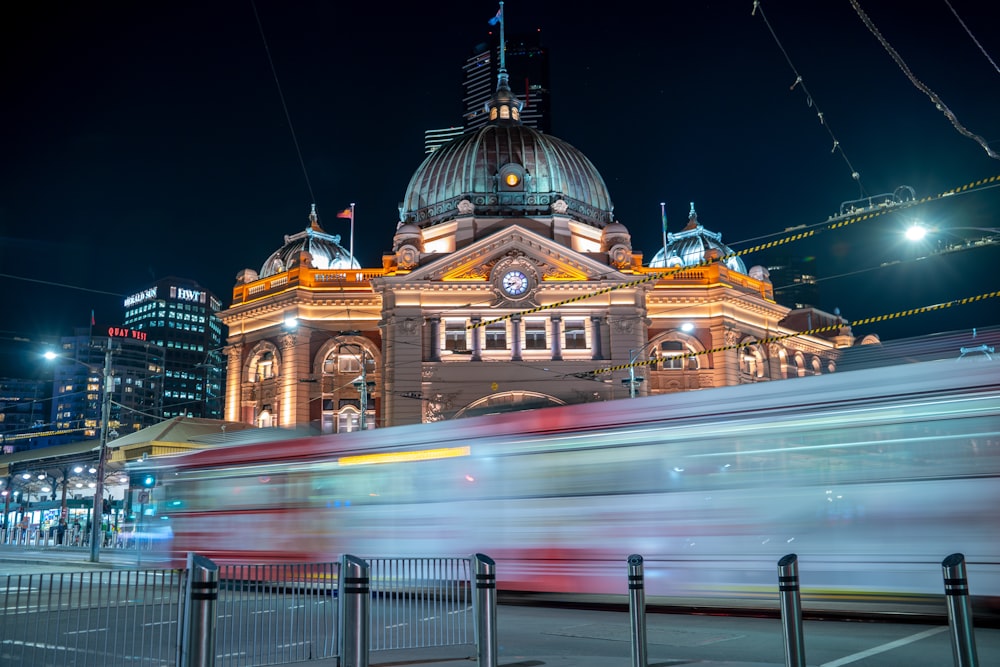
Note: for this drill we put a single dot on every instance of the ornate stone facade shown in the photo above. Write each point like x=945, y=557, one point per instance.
x=509, y=286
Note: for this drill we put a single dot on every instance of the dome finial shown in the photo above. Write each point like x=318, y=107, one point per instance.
x=314, y=220
x=504, y=105
x=692, y=218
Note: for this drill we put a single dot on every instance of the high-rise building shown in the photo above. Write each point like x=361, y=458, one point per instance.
x=527, y=64
x=794, y=280
x=135, y=369
x=434, y=139
x=23, y=412
x=180, y=316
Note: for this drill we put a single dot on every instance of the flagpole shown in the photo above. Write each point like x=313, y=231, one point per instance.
x=350, y=265
x=503, y=44
x=663, y=214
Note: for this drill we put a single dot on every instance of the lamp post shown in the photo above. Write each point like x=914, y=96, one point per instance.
x=364, y=387
x=95, y=528
x=98, y=509
x=632, y=381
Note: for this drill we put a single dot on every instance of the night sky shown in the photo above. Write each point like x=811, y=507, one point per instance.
x=144, y=140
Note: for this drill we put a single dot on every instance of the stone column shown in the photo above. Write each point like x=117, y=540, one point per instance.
x=515, y=345
x=595, y=338
x=556, y=338
x=294, y=395
x=477, y=338
x=403, y=350
x=435, y=341
x=234, y=383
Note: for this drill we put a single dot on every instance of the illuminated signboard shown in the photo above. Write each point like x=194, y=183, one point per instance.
x=185, y=294
x=144, y=295
x=122, y=332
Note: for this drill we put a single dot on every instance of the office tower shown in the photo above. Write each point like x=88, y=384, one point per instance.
x=528, y=69
x=434, y=139
x=180, y=316
x=23, y=412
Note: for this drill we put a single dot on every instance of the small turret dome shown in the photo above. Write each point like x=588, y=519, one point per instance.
x=692, y=245
x=314, y=246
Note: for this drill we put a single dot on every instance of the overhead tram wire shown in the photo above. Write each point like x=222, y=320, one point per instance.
x=863, y=321
x=837, y=148
x=818, y=330
x=284, y=106
x=808, y=232
x=972, y=37
x=938, y=102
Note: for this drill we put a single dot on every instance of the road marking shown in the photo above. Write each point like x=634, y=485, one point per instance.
x=82, y=632
x=846, y=660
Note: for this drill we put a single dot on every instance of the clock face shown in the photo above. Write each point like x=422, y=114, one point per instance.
x=514, y=283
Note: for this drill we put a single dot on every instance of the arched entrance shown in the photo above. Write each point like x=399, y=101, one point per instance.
x=508, y=401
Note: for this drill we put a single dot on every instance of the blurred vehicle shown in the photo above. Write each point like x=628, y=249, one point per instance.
x=871, y=477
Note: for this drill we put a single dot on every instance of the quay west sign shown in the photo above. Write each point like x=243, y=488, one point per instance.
x=123, y=332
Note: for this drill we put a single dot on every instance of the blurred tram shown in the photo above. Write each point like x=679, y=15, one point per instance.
x=872, y=477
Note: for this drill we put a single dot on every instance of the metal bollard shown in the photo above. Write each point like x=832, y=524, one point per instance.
x=956, y=591
x=637, y=609
x=355, y=621
x=486, y=610
x=197, y=648
x=791, y=611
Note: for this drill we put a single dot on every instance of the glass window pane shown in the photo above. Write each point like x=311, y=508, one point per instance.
x=455, y=336
x=534, y=335
x=496, y=336
x=575, y=334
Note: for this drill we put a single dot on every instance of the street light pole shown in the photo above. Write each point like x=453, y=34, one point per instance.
x=632, y=379
x=95, y=528
x=361, y=384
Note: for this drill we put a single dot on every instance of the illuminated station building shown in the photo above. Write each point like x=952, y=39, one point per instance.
x=509, y=285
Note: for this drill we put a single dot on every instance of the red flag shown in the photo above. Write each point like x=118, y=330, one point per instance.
x=346, y=213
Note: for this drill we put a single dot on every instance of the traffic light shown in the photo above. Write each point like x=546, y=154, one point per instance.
x=148, y=480
x=106, y=506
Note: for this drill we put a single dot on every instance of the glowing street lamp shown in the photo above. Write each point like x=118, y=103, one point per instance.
x=918, y=232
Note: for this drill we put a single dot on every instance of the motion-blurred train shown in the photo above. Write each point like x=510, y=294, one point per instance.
x=872, y=477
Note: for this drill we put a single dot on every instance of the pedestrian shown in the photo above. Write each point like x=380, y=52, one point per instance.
x=61, y=530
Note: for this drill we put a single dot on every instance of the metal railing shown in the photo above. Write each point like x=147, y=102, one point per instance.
x=260, y=614
x=76, y=538
x=103, y=617
x=412, y=590
x=276, y=614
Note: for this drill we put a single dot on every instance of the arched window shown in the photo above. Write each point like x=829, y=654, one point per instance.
x=263, y=365
x=800, y=364
x=346, y=369
x=752, y=363
x=671, y=356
